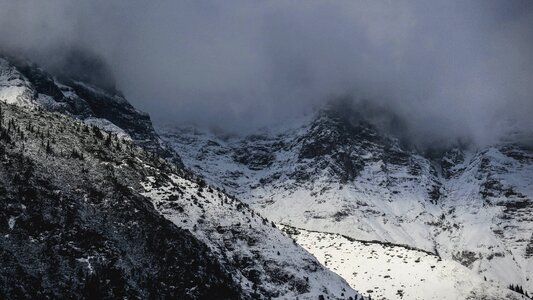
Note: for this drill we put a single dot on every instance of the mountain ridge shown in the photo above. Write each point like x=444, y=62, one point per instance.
x=106, y=107
x=337, y=175
x=120, y=221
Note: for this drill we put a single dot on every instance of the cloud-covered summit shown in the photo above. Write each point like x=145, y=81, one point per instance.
x=450, y=69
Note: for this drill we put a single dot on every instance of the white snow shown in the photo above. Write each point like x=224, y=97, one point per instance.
x=236, y=232
x=87, y=260
x=108, y=126
x=14, y=87
x=393, y=272
x=11, y=222
x=386, y=202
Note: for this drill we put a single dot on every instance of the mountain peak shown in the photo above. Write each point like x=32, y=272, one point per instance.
x=25, y=83
x=341, y=173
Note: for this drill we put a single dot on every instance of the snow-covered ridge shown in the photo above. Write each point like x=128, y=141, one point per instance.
x=25, y=84
x=105, y=173
x=75, y=225
x=268, y=262
x=342, y=176
x=262, y=260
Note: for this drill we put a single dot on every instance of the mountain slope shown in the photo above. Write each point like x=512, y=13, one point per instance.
x=268, y=262
x=337, y=173
x=73, y=227
x=107, y=215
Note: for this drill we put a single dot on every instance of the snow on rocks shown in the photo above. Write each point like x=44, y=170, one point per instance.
x=107, y=126
x=269, y=263
x=14, y=87
x=473, y=206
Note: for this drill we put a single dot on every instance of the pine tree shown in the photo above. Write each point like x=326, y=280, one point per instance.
x=97, y=133
x=108, y=141
x=48, y=148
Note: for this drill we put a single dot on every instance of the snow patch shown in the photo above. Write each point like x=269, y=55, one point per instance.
x=11, y=222
x=385, y=271
x=108, y=126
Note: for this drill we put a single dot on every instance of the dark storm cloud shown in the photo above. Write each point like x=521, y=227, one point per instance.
x=451, y=69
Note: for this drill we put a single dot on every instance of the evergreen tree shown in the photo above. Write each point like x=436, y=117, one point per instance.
x=48, y=148
x=97, y=133
x=108, y=140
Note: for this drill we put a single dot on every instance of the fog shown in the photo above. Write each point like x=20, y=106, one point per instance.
x=452, y=70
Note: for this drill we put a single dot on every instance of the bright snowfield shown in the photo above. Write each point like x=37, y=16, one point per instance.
x=14, y=88
x=233, y=230
x=385, y=271
x=474, y=208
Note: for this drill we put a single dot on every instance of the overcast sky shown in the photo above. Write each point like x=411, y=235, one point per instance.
x=451, y=69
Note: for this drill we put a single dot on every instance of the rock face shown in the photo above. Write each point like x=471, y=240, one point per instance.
x=334, y=172
x=90, y=214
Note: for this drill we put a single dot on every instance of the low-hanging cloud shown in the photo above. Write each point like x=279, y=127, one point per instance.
x=451, y=69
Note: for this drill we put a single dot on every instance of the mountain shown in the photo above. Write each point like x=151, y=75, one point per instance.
x=74, y=227
x=335, y=172
x=25, y=83
x=91, y=209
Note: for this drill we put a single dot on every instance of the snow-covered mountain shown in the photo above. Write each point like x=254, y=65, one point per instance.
x=88, y=211
x=335, y=172
x=26, y=84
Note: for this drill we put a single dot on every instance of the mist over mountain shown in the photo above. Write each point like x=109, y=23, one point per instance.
x=266, y=149
x=450, y=71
